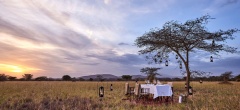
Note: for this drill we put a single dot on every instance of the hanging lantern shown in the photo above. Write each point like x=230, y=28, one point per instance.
x=200, y=81
x=211, y=59
x=136, y=81
x=180, y=66
x=166, y=63
x=101, y=92
x=182, y=98
x=176, y=56
x=190, y=91
x=213, y=43
x=111, y=88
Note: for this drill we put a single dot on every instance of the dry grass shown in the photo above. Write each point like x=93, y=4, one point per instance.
x=84, y=95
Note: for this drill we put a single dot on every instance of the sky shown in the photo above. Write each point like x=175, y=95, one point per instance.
x=85, y=37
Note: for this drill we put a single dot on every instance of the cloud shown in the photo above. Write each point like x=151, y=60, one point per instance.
x=78, y=37
x=220, y=5
x=107, y=1
x=92, y=64
x=218, y=66
x=223, y=3
x=123, y=43
x=126, y=59
x=14, y=30
x=42, y=30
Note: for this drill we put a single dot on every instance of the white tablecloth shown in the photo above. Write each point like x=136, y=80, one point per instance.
x=158, y=90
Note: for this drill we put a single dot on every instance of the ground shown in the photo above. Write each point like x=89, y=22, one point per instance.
x=84, y=95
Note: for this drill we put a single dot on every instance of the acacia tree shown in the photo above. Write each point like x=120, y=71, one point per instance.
x=100, y=77
x=27, y=76
x=237, y=78
x=66, y=78
x=126, y=77
x=12, y=78
x=226, y=76
x=3, y=77
x=182, y=39
x=197, y=73
x=150, y=72
x=41, y=78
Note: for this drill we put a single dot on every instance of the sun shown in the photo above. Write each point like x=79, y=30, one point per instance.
x=16, y=69
x=11, y=68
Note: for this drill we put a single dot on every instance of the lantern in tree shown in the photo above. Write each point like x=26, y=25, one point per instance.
x=160, y=60
x=111, y=88
x=166, y=63
x=186, y=85
x=180, y=66
x=101, y=92
x=176, y=56
x=211, y=59
x=213, y=43
x=190, y=91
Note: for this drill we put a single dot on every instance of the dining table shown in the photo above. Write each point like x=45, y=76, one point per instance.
x=159, y=90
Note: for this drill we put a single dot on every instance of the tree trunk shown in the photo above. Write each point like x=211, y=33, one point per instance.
x=188, y=72
x=188, y=78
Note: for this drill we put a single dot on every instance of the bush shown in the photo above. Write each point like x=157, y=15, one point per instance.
x=66, y=78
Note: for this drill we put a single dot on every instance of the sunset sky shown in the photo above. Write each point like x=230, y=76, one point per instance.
x=83, y=37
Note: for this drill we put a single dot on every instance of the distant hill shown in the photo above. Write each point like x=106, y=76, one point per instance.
x=168, y=76
x=162, y=76
x=139, y=76
x=110, y=76
x=104, y=76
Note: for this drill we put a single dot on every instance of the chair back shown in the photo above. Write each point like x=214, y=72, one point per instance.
x=126, y=89
x=137, y=89
x=145, y=91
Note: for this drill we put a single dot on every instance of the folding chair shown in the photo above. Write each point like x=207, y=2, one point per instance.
x=126, y=88
x=137, y=91
x=145, y=93
x=129, y=91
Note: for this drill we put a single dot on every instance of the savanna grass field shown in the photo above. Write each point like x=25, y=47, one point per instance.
x=63, y=95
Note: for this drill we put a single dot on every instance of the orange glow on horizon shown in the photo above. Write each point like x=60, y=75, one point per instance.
x=15, y=70
x=11, y=68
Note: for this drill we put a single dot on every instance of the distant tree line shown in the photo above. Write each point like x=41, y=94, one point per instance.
x=226, y=76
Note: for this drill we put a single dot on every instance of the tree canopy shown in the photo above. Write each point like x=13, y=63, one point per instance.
x=198, y=73
x=100, y=77
x=3, y=77
x=11, y=78
x=127, y=77
x=27, y=76
x=182, y=39
x=66, y=78
x=237, y=78
x=41, y=78
x=226, y=76
x=150, y=72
